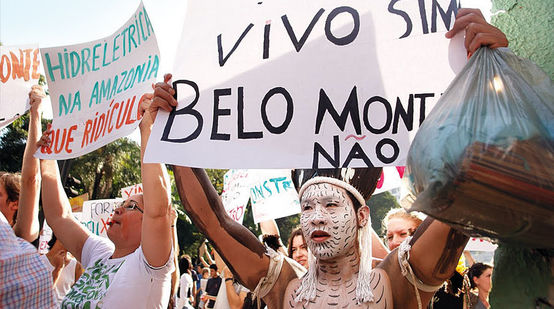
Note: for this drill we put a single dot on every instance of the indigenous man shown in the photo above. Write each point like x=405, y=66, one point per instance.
x=335, y=223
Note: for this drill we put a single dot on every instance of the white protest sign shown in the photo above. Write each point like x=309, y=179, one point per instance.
x=272, y=195
x=391, y=178
x=96, y=87
x=131, y=190
x=19, y=70
x=96, y=215
x=303, y=84
x=479, y=244
x=44, y=237
x=236, y=193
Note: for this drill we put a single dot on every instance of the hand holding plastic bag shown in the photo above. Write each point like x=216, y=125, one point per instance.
x=483, y=160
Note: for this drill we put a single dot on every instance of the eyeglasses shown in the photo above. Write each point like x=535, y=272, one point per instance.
x=129, y=206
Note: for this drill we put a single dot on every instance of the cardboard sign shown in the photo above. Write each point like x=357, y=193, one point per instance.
x=272, y=195
x=131, y=190
x=236, y=193
x=304, y=84
x=97, y=214
x=19, y=70
x=96, y=87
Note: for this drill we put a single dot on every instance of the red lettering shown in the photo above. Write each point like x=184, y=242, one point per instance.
x=5, y=61
x=17, y=66
x=36, y=63
x=381, y=180
x=88, y=128
x=129, y=121
x=70, y=138
x=400, y=170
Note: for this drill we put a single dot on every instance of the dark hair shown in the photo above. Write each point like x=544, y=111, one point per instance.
x=363, y=179
x=297, y=231
x=184, y=264
x=271, y=241
x=476, y=270
x=214, y=267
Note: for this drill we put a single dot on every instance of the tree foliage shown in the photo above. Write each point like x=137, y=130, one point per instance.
x=12, y=143
x=379, y=205
x=105, y=171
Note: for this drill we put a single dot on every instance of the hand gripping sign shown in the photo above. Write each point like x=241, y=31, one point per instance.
x=304, y=84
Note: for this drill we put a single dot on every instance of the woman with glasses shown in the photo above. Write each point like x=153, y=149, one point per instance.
x=132, y=268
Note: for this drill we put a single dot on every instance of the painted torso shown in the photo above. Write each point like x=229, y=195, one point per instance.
x=342, y=294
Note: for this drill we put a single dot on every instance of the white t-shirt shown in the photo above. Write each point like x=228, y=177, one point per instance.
x=126, y=282
x=185, y=285
x=66, y=278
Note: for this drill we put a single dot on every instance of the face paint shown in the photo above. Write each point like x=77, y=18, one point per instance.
x=328, y=220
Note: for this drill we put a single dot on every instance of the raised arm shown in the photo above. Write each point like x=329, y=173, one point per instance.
x=477, y=31
x=57, y=209
x=156, y=240
x=27, y=225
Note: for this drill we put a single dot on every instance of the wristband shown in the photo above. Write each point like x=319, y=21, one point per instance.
x=228, y=279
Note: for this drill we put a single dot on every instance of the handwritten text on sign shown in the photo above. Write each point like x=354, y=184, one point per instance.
x=97, y=214
x=96, y=87
x=236, y=193
x=131, y=190
x=272, y=195
x=19, y=70
x=304, y=83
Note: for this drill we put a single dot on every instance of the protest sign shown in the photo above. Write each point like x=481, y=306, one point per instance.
x=96, y=87
x=19, y=70
x=131, y=190
x=77, y=202
x=479, y=244
x=391, y=178
x=304, y=84
x=236, y=193
x=97, y=214
x=272, y=195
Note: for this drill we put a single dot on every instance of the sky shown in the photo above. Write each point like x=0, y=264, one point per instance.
x=64, y=22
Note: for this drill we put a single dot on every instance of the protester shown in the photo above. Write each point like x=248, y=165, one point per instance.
x=133, y=268
x=19, y=194
x=25, y=282
x=480, y=277
x=212, y=287
x=333, y=216
x=65, y=268
x=399, y=225
x=186, y=284
x=297, y=248
x=200, y=303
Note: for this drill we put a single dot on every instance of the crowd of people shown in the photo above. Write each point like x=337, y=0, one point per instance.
x=334, y=258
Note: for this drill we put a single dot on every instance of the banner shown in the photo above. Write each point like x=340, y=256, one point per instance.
x=19, y=70
x=131, y=190
x=96, y=87
x=96, y=215
x=236, y=193
x=272, y=195
x=305, y=84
